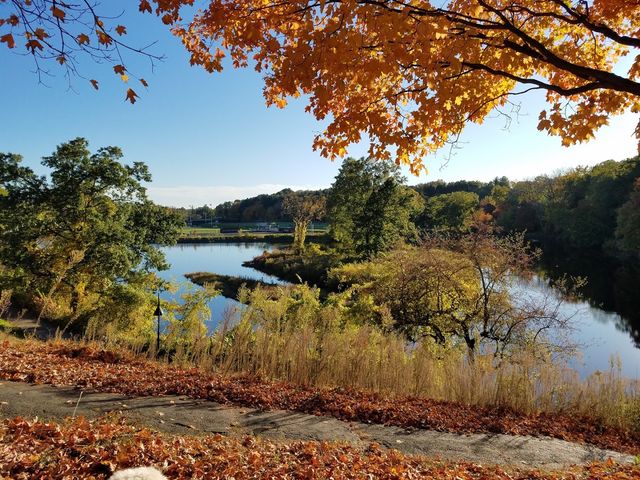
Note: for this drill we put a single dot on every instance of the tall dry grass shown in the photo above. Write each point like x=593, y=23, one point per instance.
x=287, y=333
x=292, y=336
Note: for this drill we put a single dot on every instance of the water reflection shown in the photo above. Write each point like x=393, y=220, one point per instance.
x=220, y=258
x=607, y=319
x=612, y=286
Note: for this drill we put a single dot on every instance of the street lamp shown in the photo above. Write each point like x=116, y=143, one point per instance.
x=158, y=313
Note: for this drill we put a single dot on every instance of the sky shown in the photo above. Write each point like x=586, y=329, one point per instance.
x=209, y=138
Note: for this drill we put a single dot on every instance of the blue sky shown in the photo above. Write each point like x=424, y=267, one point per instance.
x=210, y=138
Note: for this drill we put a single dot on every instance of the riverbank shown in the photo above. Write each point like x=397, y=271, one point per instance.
x=228, y=285
x=309, y=267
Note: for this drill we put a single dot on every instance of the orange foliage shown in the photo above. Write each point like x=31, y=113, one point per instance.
x=409, y=75
x=83, y=449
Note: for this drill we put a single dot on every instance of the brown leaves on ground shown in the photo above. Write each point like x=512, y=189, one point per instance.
x=83, y=449
x=106, y=371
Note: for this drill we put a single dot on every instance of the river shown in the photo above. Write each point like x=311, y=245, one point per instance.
x=602, y=333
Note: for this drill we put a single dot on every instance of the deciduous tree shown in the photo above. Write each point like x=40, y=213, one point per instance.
x=628, y=221
x=411, y=75
x=303, y=210
x=408, y=75
x=451, y=211
x=72, y=241
x=369, y=207
x=461, y=290
x=72, y=33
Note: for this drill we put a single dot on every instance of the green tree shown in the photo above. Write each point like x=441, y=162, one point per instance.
x=71, y=239
x=451, y=211
x=303, y=210
x=628, y=222
x=370, y=208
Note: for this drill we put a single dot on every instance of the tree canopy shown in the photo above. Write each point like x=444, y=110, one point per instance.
x=459, y=288
x=369, y=207
x=411, y=75
x=82, y=236
x=451, y=211
x=303, y=210
x=408, y=75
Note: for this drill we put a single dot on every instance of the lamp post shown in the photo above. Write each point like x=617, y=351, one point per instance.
x=158, y=313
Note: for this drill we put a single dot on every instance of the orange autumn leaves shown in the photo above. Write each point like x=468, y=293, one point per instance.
x=95, y=449
x=405, y=76
x=67, y=33
x=410, y=76
x=116, y=372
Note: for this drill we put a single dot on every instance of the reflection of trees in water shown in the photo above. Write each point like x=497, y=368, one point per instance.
x=612, y=285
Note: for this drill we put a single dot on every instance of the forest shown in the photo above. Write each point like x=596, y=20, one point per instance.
x=585, y=209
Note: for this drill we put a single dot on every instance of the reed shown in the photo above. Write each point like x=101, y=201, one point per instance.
x=287, y=333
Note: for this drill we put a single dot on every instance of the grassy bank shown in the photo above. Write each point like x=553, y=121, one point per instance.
x=309, y=267
x=301, y=353
x=228, y=285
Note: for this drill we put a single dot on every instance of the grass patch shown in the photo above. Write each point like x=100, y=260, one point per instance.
x=5, y=325
x=228, y=285
x=311, y=266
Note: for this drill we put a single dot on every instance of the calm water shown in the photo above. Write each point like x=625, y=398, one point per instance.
x=222, y=258
x=604, y=333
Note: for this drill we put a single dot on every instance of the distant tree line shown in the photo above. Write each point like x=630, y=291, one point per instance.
x=266, y=207
x=586, y=208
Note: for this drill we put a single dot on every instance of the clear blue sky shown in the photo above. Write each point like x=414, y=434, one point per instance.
x=210, y=138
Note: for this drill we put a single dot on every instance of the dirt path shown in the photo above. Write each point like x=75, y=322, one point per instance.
x=25, y=324
x=183, y=415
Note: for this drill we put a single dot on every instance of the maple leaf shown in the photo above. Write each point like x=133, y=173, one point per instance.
x=103, y=38
x=124, y=77
x=40, y=33
x=8, y=39
x=58, y=13
x=34, y=45
x=144, y=82
x=119, y=69
x=83, y=39
x=131, y=96
x=144, y=6
x=121, y=30
x=94, y=83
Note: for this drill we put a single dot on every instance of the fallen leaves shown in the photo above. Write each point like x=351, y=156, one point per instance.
x=106, y=371
x=84, y=449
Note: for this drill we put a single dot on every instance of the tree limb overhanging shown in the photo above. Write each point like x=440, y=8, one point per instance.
x=408, y=75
